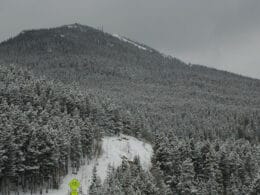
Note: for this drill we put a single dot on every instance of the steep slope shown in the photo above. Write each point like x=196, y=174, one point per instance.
x=161, y=93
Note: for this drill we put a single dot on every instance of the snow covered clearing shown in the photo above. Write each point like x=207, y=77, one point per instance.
x=129, y=41
x=113, y=149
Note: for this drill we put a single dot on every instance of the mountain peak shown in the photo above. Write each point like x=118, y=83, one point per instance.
x=76, y=26
x=72, y=38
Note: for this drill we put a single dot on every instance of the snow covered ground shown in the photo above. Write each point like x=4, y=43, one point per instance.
x=113, y=149
x=129, y=41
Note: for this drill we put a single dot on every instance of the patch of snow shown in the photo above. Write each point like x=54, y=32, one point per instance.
x=72, y=26
x=113, y=149
x=117, y=36
x=129, y=41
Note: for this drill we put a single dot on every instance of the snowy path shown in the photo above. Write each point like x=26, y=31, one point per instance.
x=113, y=148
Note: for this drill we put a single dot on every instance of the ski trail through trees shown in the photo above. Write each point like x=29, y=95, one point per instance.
x=113, y=150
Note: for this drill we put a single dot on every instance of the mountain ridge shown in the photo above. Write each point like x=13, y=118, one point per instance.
x=85, y=28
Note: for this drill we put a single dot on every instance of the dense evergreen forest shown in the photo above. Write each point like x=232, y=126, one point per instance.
x=208, y=167
x=69, y=86
x=47, y=127
x=44, y=128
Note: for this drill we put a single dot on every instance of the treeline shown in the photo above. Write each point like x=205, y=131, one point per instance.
x=128, y=179
x=208, y=167
x=46, y=127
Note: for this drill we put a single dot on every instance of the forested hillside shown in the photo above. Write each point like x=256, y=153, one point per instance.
x=162, y=92
x=46, y=128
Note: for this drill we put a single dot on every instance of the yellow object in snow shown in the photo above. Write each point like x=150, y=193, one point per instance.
x=74, y=193
x=74, y=185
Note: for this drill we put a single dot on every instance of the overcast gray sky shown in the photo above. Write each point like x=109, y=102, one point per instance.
x=224, y=34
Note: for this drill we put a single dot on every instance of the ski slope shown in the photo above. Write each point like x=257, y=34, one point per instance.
x=113, y=149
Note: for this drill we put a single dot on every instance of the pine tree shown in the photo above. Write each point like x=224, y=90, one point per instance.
x=187, y=183
x=95, y=186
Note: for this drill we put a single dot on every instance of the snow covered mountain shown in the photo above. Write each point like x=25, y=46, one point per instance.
x=204, y=124
x=166, y=93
